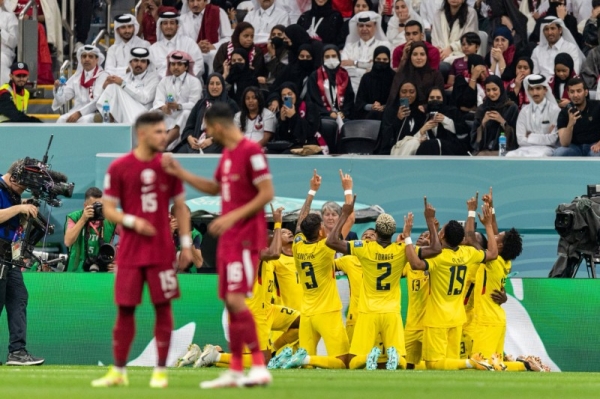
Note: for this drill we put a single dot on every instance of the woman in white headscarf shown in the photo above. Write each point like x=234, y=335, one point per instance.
x=536, y=125
x=451, y=22
x=402, y=14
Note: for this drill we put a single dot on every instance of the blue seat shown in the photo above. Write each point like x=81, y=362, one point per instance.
x=359, y=137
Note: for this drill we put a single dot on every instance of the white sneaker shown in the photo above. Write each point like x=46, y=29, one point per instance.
x=192, y=355
x=208, y=357
x=229, y=379
x=257, y=376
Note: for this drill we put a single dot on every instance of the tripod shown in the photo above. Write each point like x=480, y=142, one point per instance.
x=590, y=262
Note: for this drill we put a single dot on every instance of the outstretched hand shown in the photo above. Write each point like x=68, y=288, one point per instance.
x=315, y=181
x=486, y=218
x=429, y=210
x=408, y=224
x=171, y=165
x=277, y=214
x=488, y=198
x=346, y=181
x=472, y=202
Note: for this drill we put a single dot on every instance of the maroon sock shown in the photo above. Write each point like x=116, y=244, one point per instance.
x=123, y=334
x=249, y=336
x=236, y=342
x=162, y=331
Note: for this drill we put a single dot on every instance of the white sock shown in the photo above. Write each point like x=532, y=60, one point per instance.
x=306, y=360
x=218, y=358
x=121, y=370
x=160, y=369
x=469, y=365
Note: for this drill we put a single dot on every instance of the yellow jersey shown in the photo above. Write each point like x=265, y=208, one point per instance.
x=417, y=282
x=490, y=276
x=448, y=272
x=382, y=270
x=262, y=292
x=314, y=263
x=469, y=298
x=287, y=283
x=351, y=266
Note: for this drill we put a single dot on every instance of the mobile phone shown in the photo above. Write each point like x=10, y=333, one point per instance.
x=432, y=115
x=287, y=101
x=404, y=102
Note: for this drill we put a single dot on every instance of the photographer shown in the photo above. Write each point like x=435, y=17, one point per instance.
x=197, y=259
x=86, y=231
x=13, y=293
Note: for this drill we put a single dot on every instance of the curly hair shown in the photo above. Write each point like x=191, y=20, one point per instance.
x=454, y=233
x=512, y=245
x=311, y=225
x=385, y=225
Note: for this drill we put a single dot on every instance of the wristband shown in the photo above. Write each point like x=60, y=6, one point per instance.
x=276, y=226
x=185, y=241
x=472, y=214
x=347, y=192
x=312, y=192
x=408, y=241
x=493, y=211
x=128, y=221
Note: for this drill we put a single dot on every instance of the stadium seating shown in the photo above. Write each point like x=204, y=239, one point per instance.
x=359, y=137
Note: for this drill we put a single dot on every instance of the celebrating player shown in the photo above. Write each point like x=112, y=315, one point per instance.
x=244, y=182
x=138, y=182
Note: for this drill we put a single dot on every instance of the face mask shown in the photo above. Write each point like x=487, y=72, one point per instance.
x=332, y=63
x=237, y=68
x=380, y=65
x=434, y=106
x=277, y=42
x=306, y=65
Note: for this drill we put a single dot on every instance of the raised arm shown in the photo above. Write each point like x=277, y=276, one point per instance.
x=489, y=199
x=411, y=255
x=274, y=250
x=315, y=184
x=347, y=186
x=470, y=226
x=435, y=246
x=334, y=239
x=208, y=186
x=486, y=220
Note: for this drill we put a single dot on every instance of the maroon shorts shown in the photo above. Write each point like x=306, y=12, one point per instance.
x=237, y=270
x=129, y=284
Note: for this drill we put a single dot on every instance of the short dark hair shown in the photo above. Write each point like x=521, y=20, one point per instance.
x=149, y=118
x=512, y=245
x=454, y=233
x=595, y=3
x=575, y=82
x=14, y=166
x=220, y=112
x=244, y=112
x=311, y=225
x=471, y=38
x=414, y=23
x=93, y=192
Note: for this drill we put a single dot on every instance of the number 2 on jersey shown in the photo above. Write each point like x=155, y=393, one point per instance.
x=310, y=272
x=386, y=273
x=457, y=277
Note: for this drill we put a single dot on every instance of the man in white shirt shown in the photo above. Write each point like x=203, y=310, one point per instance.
x=556, y=39
x=126, y=38
x=9, y=27
x=132, y=95
x=265, y=17
x=85, y=87
x=169, y=39
x=176, y=95
x=365, y=36
x=536, y=126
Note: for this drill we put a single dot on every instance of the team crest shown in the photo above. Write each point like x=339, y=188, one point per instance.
x=358, y=243
x=148, y=176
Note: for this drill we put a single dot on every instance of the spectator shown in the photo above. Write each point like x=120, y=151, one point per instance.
x=357, y=6
x=84, y=87
x=428, y=11
x=176, y=95
x=374, y=87
x=469, y=44
x=445, y=132
x=297, y=72
x=345, y=7
x=265, y=17
x=506, y=13
x=126, y=39
x=254, y=119
x=295, y=8
x=497, y=114
x=84, y=234
x=515, y=88
x=536, y=124
x=502, y=57
x=176, y=4
x=295, y=36
x=365, y=36
x=403, y=13
x=451, y=22
x=558, y=9
x=400, y=123
x=84, y=10
x=579, y=126
x=9, y=27
x=242, y=38
x=170, y=39
x=563, y=72
x=276, y=58
x=590, y=31
x=238, y=74
x=194, y=139
x=323, y=22
x=147, y=17
x=556, y=39
x=415, y=68
x=469, y=90
x=590, y=70
x=413, y=32
x=130, y=96
x=14, y=96
x=329, y=87
x=198, y=260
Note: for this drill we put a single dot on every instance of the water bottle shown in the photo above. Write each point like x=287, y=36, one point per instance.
x=61, y=81
x=502, y=145
x=170, y=98
x=106, y=112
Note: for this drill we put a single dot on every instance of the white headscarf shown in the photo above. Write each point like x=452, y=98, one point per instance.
x=124, y=20
x=186, y=8
x=163, y=17
x=354, y=37
x=142, y=53
x=566, y=33
x=538, y=80
x=88, y=48
x=412, y=15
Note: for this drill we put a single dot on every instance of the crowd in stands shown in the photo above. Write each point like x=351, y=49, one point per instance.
x=444, y=77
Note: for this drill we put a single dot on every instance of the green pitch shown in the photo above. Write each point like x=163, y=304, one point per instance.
x=65, y=382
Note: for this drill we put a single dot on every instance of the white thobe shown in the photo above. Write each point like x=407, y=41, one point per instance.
x=428, y=10
x=119, y=54
x=84, y=100
x=540, y=121
x=132, y=100
x=543, y=57
x=186, y=91
x=162, y=48
x=264, y=20
x=9, y=26
x=295, y=8
x=362, y=52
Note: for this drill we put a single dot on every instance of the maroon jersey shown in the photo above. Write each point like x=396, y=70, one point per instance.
x=238, y=172
x=144, y=190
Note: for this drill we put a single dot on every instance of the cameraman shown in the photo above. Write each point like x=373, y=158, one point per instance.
x=86, y=231
x=197, y=259
x=13, y=293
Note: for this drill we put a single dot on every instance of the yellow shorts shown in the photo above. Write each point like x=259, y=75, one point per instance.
x=283, y=317
x=263, y=331
x=488, y=340
x=369, y=327
x=466, y=345
x=328, y=326
x=414, y=346
x=441, y=343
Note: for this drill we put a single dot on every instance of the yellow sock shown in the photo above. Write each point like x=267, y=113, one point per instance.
x=326, y=362
x=358, y=362
x=402, y=363
x=287, y=338
x=420, y=366
x=447, y=364
x=515, y=366
x=225, y=360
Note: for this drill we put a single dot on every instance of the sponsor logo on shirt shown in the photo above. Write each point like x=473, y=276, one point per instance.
x=358, y=243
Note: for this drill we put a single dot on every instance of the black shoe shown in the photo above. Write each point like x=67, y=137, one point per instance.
x=23, y=358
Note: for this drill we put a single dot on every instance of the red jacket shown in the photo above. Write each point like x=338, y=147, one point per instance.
x=433, y=55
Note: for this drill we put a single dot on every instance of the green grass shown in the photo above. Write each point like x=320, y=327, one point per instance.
x=67, y=382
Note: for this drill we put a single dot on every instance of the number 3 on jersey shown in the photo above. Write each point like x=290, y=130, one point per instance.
x=310, y=273
x=457, y=277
